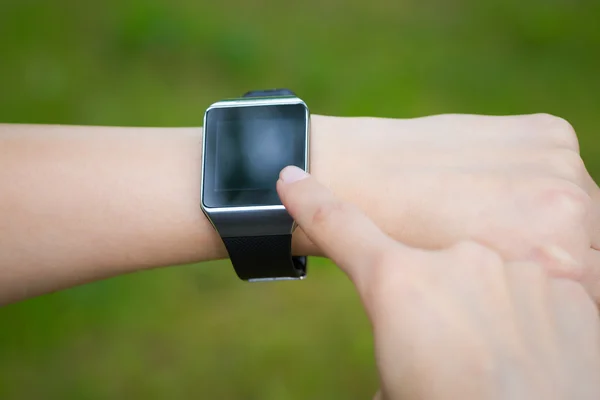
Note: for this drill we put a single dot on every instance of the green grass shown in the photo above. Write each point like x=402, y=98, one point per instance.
x=195, y=331
x=181, y=332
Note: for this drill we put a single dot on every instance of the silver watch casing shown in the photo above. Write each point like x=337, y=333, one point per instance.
x=260, y=220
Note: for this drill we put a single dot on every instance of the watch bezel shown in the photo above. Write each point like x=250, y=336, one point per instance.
x=251, y=102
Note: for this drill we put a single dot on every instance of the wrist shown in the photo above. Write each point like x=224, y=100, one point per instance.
x=342, y=159
x=327, y=145
x=337, y=152
x=186, y=235
x=198, y=240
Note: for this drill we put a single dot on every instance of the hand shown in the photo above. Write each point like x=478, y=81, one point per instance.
x=509, y=183
x=458, y=323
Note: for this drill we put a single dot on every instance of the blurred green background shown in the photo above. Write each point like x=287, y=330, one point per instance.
x=195, y=331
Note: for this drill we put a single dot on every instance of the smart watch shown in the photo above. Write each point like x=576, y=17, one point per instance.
x=246, y=142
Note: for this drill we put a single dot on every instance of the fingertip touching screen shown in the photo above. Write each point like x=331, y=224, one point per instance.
x=246, y=148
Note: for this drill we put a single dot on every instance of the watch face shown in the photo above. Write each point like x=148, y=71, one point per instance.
x=246, y=148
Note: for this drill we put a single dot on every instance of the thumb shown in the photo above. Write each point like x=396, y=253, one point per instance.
x=339, y=229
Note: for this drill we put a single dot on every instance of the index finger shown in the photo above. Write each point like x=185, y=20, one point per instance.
x=339, y=229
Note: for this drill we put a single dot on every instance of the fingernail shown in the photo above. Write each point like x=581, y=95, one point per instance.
x=292, y=174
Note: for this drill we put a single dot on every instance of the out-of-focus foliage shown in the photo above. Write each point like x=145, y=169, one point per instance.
x=195, y=331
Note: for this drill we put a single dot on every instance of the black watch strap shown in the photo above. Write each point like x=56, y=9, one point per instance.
x=264, y=257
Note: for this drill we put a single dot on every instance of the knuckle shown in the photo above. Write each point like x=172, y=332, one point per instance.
x=568, y=164
x=572, y=164
x=564, y=201
x=559, y=128
x=572, y=160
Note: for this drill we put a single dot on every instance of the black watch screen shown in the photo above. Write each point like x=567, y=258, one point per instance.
x=246, y=148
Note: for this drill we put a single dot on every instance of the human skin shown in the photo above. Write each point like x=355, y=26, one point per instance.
x=79, y=204
x=456, y=323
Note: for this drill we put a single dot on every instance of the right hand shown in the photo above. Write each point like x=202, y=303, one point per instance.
x=511, y=183
x=458, y=323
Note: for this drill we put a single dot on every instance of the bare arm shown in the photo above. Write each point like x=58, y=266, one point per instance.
x=79, y=204
x=84, y=203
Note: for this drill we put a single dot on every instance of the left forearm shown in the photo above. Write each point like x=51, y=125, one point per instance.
x=79, y=204
x=84, y=203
